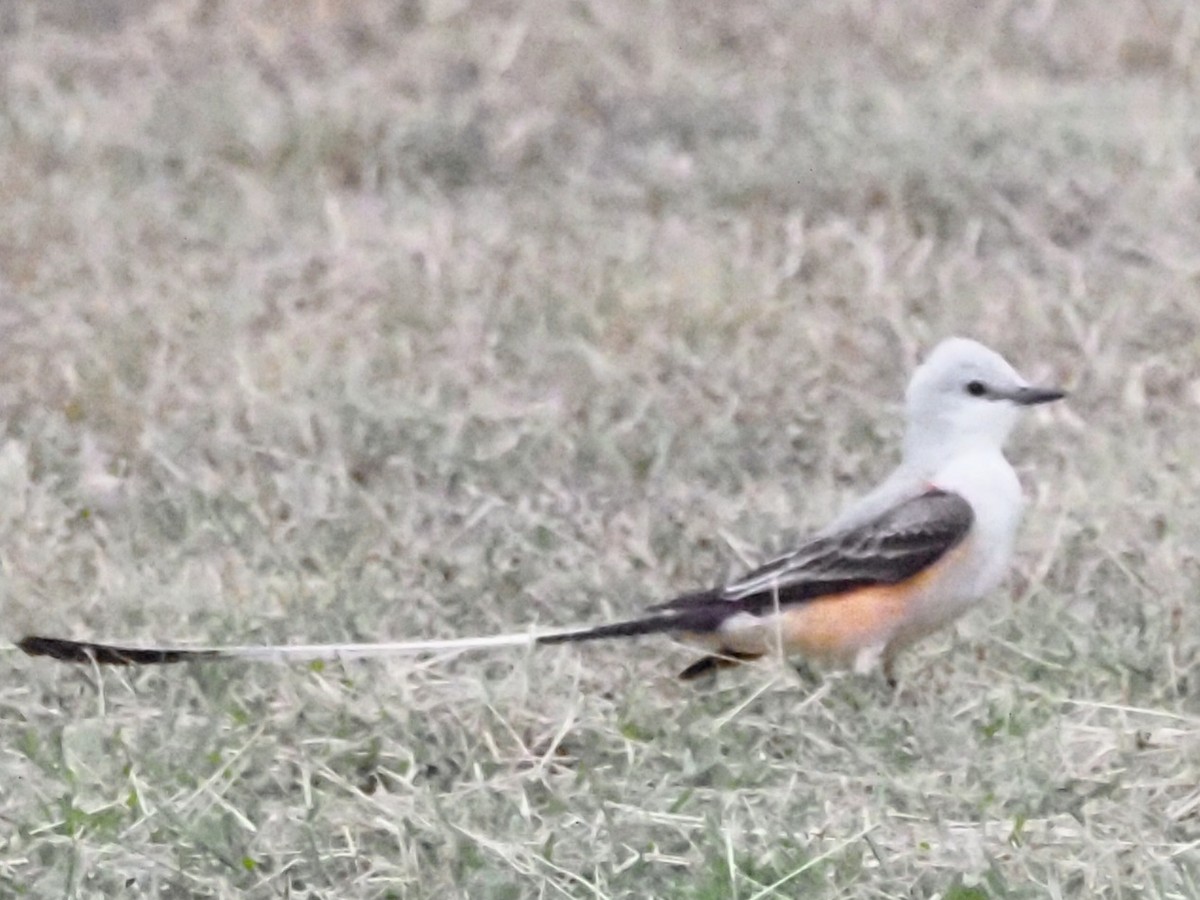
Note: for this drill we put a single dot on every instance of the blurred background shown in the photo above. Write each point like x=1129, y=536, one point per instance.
x=364, y=320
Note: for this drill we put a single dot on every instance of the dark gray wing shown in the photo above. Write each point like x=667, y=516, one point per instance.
x=890, y=548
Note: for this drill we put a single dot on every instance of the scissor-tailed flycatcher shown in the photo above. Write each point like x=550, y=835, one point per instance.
x=908, y=558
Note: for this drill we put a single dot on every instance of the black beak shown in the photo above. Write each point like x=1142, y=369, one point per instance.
x=1031, y=396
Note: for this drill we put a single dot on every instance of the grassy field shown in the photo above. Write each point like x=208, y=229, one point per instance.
x=362, y=320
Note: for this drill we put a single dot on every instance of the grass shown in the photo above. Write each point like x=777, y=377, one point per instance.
x=333, y=321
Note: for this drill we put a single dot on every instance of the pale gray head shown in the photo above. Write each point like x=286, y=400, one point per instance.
x=964, y=395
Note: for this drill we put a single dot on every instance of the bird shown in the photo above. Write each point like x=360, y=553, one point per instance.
x=908, y=558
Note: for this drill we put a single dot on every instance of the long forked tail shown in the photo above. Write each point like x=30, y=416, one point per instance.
x=700, y=613
x=106, y=654
x=121, y=654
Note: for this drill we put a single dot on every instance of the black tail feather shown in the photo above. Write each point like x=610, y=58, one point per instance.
x=698, y=613
x=106, y=654
x=655, y=624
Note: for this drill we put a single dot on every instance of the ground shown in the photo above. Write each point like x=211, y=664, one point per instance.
x=362, y=320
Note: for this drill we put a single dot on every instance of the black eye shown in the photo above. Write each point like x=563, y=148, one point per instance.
x=976, y=388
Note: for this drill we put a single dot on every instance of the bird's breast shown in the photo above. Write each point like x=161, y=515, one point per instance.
x=989, y=484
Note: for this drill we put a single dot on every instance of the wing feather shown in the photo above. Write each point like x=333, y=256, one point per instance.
x=895, y=545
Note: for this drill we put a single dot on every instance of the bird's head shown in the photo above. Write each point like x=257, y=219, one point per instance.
x=965, y=394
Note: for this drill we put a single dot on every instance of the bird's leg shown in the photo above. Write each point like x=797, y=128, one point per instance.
x=868, y=658
x=889, y=669
x=806, y=672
